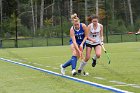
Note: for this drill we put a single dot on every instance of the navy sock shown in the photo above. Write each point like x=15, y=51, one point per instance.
x=68, y=63
x=74, y=62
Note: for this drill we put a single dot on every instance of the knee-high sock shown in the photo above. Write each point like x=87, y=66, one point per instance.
x=94, y=57
x=74, y=62
x=68, y=63
x=82, y=65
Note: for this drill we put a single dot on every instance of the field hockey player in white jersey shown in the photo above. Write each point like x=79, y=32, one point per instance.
x=95, y=39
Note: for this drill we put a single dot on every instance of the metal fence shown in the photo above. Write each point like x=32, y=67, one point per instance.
x=57, y=41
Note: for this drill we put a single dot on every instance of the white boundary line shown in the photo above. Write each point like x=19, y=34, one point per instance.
x=110, y=88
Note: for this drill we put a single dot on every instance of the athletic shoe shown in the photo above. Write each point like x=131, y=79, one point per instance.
x=62, y=70
x=74, y=72
x=79, y=72
x=93, y=62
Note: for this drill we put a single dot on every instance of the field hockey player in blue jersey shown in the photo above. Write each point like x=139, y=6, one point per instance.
x=78, y=34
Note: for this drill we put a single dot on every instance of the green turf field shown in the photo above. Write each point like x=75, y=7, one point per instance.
x=122, y=73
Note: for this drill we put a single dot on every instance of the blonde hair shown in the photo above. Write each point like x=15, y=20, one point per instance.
x=74, y=18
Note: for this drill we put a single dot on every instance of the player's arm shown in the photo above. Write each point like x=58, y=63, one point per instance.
x=89, y=38
x=101, y=33
x=86, y=34
x=73, y=39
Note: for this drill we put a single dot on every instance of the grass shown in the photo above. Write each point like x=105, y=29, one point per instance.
x=123, y=38
x=124, y=67
x=35, y=42
x=24, y=80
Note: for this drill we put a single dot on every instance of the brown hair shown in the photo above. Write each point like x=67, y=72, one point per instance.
x=90, y=18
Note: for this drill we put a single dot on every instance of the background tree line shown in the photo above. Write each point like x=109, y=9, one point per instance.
x=51, y=18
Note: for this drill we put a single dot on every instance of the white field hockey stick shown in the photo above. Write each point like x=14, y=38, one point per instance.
x=106, y=53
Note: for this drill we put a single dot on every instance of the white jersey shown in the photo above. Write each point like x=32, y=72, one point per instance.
x=94, y=34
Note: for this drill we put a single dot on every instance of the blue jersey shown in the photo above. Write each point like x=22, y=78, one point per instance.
x=79, y=35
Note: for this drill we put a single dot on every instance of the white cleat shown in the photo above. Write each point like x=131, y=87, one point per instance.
x=62, y=70
x=74, y=72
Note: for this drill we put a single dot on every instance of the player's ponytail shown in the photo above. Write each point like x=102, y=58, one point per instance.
x=89, y=18
x=74, y=18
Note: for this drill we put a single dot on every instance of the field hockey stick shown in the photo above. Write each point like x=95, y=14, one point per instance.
x=106, y=53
